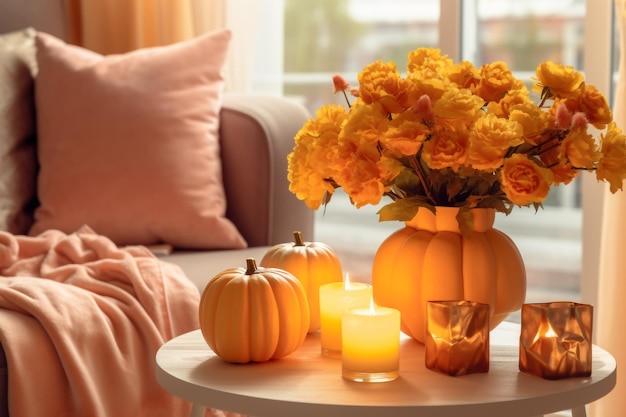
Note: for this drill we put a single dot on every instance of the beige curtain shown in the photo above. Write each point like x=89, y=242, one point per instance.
x=611, y=308
x=242, y=17
x=118, y=26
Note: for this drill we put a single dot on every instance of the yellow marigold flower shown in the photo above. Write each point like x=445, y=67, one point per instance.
x=523, y=181
x=365, y=124
x=379, y=82
x=433, y=87
x=309, y=165
x=427, y=58
x=364, y=192
x=579, y=148
x=561, y=80
x=404, y=134
x=458, y=104
x=611, y=167
x=534, y=121
x=446, y=149
x=489, y=141
x=357, y=156
x=464, y=75
x=496, y=79
x=512, y=99
x=359, y=176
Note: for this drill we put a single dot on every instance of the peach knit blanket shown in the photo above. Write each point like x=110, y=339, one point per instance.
x=81, y=321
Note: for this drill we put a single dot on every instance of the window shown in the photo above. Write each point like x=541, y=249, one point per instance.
x=325, y=37
x=522, y=34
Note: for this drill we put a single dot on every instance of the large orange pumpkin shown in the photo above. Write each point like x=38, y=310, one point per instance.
x=312, y=263
x=254, y=314
x=430, y=259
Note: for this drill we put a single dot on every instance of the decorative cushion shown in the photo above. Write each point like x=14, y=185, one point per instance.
x=128, y=144
x=18, y=161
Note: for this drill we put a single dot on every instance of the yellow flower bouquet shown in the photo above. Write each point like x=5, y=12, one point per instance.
x=451, y=134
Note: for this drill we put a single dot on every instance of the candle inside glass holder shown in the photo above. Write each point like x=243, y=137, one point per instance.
x=335, y=298
x=457, y=337
x=555, y=340
x=370, y=344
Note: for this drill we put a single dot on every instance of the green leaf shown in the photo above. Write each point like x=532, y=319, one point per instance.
x=407, y=180
x=403, y=210
x=465, y=219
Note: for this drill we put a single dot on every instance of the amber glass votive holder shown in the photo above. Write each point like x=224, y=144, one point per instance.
x=555, y=339
x=457, y=337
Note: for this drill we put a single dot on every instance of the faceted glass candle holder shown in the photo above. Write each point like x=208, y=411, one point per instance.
x=555, y=340
x=457, y=337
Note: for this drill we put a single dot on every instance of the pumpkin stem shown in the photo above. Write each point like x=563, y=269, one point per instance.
x=250, y=266
x=298, y=238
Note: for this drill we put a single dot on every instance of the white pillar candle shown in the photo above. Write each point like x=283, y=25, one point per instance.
x=336, y=297
x=371, y=344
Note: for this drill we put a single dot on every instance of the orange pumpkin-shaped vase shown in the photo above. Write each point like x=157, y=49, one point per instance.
x=312, y=263
x=254, y=314
x=431, y=259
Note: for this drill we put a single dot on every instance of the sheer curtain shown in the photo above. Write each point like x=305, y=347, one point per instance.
x=118, y=26
x=611, y=308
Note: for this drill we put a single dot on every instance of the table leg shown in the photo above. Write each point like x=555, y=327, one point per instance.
x=579, y=411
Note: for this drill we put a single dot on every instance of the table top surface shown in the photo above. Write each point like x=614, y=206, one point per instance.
x=306, y=383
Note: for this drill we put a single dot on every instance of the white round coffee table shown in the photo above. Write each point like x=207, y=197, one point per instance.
x=307, y=384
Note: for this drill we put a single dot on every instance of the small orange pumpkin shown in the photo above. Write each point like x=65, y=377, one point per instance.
x=312, y=263
x=254, y=314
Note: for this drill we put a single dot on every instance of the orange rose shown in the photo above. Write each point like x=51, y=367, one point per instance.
x=580, y=149
x=561, y=80
x=595, y=107
x=563, y=173
x=523, y=181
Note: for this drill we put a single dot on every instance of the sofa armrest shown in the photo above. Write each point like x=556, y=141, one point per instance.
x=256, y=135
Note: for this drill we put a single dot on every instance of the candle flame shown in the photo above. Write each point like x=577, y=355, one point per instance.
x=545, y=334
x=550, y=332
x=346, y=282
x=372, y=307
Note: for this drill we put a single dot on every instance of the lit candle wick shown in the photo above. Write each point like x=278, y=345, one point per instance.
x=372, y=307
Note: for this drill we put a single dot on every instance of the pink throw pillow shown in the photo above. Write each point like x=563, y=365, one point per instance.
x=128, y=144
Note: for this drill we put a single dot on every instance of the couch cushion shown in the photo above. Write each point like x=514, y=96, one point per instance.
x=128, y=143
x=18, y=162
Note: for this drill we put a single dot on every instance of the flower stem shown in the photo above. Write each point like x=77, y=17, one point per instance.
x=347, y=101
x=419, y=170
